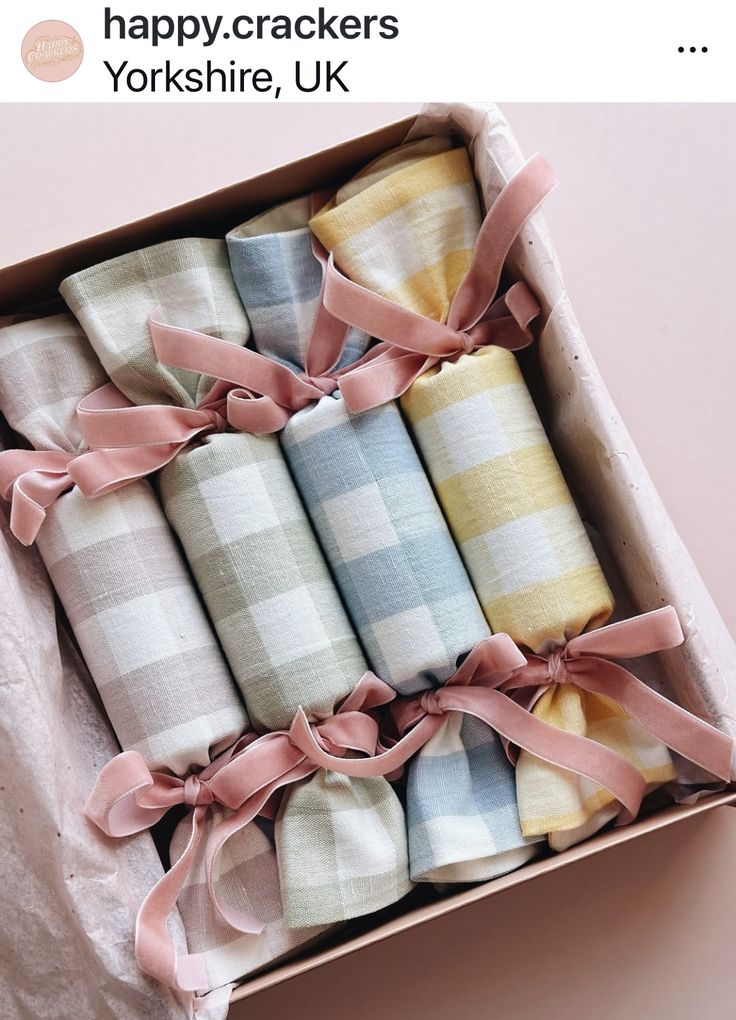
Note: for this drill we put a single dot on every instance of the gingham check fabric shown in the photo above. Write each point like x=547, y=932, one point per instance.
x=248, y=880
x=406, y=229
x=570, y=807
x=142, y=629
x=394, y=560
x=271, y=260
x=534, y=569
x=117, y=570
x=259, y=568
x=188, y=280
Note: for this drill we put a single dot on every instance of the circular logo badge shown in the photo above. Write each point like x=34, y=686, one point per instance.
x=52, y=50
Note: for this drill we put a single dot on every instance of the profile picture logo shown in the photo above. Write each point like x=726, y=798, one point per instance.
x=52, y=50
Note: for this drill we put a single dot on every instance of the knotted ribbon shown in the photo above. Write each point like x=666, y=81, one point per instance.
x=128, y=798
x=266, y=393
x=411, y=343
x=478, y=688
x=127, y=443
x=258, y=395
x=585, y=661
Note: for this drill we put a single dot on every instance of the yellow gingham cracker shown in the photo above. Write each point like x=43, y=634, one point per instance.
x=405, y=228
x=532, y=564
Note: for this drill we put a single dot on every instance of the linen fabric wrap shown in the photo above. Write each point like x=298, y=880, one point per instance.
x=230, y=499
x=117, y=569
x=142, y=629
x=394, y=560
x=405, y=228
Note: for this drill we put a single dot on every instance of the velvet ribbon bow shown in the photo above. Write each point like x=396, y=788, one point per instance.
x=31, y=481
x=412, y=343
x=268, y=393
x=128, y=798
x=255, y=394
x=483, y=687
x=585, y=661
x=480, y=687
x=133, y=442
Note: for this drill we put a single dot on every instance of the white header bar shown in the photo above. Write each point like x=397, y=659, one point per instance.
x=408, y=50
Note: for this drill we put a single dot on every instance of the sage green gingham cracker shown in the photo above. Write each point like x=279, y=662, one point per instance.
x=257, y=563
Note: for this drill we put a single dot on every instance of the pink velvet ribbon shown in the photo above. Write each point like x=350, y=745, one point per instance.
x=266, y=393
x=31, y=481
x=585, y=661
x=130, y=441
x=258, y=395
x=128, y=798
x=134, y=442
x=478, y=688
x=412, y=343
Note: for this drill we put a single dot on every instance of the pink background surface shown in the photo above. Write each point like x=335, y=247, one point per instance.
x=643, y=223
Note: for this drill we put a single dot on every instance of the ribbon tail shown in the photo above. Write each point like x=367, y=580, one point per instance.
x=384, y=319
x=230, y=827
x=681, y=731
x=189, y=349
x=501, y=332
x=382, y=378
x=518, y=199
x=112, y=805
x=382, y=764
x=98, y=472
x=327, y=340
x=221, y=833
x=523, y=306
x=31, y=481
x=230, y=363
x=650, y=632
x=154, y=948
x=26, y=516
x=28, y=511
x=569, y=751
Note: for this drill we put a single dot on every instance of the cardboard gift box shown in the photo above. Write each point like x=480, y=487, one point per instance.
x=614, y=493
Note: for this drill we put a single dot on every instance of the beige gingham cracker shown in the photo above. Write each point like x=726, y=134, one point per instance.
x=257, y=563
x=139, y=622
x=118, y=572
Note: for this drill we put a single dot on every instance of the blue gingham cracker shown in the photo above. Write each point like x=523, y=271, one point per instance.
x=395, y=563
x=281, y=278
